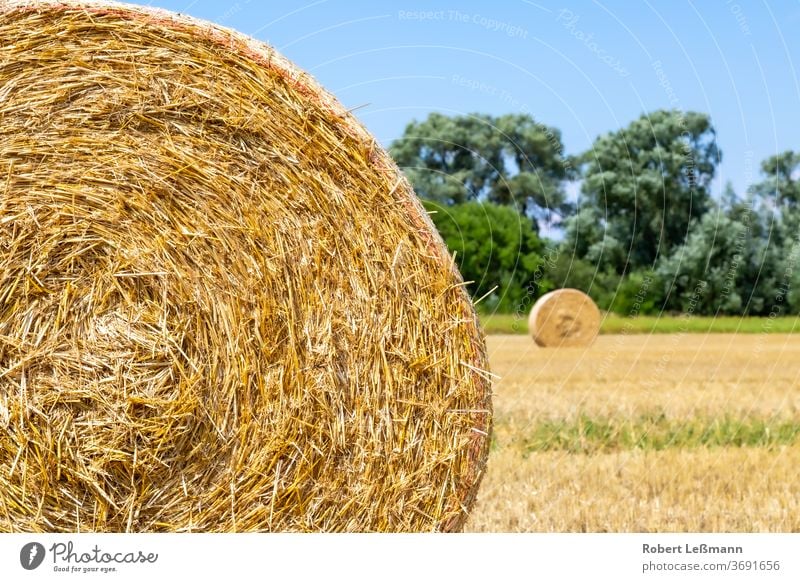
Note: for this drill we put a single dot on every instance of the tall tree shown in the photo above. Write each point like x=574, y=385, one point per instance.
x=648, y=181
x=782, y=183
x=510, y=160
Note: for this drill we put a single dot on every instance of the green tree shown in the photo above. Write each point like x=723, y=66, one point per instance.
x=729, y=264
x=647, y=182
x=495, y=248
x=510, y=160
x=777, y=198
x=782, y=183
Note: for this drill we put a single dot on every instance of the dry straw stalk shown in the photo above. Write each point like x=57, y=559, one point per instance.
x=564, y=318
x=221, y=306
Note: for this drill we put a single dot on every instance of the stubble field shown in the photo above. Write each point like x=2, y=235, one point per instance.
x=665, y=433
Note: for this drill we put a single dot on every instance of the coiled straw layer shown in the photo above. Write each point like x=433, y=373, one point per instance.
x=221, y=306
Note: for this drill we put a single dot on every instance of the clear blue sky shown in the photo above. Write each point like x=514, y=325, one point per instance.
x=585, y=67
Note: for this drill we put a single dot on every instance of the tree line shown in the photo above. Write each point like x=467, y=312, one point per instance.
x=641, y=231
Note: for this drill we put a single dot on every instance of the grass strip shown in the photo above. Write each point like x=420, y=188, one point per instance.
x=509, y=323
x=656, y=432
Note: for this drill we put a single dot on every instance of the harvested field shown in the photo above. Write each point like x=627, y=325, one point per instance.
x=645, y=433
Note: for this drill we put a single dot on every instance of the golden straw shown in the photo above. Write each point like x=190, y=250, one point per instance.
x=221, y=306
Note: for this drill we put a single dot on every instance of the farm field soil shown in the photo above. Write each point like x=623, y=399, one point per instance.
x=662, y=433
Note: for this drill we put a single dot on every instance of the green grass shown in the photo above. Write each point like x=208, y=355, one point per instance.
x=656, y=432
x=612, y=323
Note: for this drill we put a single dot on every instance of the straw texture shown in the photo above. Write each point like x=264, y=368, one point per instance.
x=564, y=318
x=221, y=306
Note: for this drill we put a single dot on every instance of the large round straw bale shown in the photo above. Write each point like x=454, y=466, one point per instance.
x=221, y=306
x=564, y=318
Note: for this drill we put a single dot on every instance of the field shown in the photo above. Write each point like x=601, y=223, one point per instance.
x=665, y=432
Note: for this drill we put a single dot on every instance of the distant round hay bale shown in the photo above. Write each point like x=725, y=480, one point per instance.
x=564, y=318
x=222, y=308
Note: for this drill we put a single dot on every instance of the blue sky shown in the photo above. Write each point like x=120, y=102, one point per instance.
x=585, y=67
